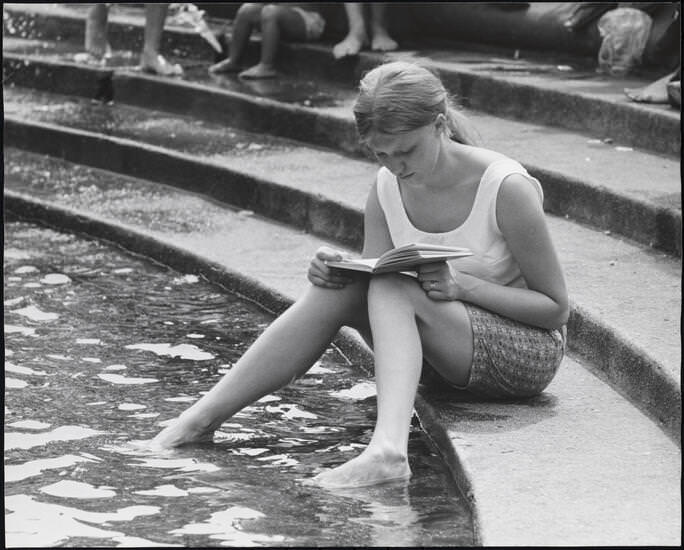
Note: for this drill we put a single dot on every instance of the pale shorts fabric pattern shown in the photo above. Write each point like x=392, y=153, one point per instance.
x=511, y=359
x=313, y=22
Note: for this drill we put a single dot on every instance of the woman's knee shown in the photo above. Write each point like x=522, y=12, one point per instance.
x=349, y=303
x=393, y=286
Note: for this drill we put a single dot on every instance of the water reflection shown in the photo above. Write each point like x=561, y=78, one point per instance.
x=117, y=349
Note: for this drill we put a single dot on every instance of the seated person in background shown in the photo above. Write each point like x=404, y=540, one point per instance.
x=97, y=46
x=292, y=21
x=357, y=37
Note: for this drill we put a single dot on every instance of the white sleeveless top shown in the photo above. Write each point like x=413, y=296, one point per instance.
x=492, y=260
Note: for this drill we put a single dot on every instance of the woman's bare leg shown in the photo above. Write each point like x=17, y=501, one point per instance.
x=405, y=323
x=284, y=351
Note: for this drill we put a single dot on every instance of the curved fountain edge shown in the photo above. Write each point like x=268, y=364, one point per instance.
x=247, y=288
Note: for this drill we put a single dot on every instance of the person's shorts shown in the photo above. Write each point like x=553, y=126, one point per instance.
x=511, y=359
x=313, y=22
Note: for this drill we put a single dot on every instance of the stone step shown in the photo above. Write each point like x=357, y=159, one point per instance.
x=577, y=99
x=579, y=451
x=637, y=348
x=585, y=179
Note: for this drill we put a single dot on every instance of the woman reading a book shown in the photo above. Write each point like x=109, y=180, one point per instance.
x=492, y=323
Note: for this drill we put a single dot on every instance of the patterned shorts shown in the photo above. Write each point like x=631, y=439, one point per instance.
x=511, y=359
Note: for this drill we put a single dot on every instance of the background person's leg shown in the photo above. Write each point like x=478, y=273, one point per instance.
x=96, y=31
x=356, y=37
x=381, y=40
x=248, y=16
x=151, y=59
x=275, y=21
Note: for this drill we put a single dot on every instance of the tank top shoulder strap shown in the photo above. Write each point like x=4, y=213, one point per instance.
x=485, y=203
x=390, y=198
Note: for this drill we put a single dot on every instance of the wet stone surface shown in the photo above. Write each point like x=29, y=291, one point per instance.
x=163, y=129
x=102, y=348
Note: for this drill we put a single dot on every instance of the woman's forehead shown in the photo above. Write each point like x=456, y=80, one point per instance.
x=380, y=141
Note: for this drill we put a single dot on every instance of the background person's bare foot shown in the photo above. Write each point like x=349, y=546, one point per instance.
x=159, y=65
x=655, y=92
x=366, y=469
x=351, y=45
x=383, y=42
x=259, y=71
x=225, y=66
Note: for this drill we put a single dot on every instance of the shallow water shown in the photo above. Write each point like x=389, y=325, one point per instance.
x=102, y=348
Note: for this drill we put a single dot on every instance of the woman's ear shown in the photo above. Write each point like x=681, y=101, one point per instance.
x=441, y=123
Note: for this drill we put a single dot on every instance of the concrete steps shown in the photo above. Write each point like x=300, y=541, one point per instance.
x=580, y=451
x=293, y=183
x=527, y=89
x=584, y=178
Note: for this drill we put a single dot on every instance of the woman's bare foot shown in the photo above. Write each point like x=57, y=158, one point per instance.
x=655, y=92
x=159, y=65
x=369, y=468
x=383, y=42
x=225, y=66
x=259, y=71
x=351, y=45
x=181, y=432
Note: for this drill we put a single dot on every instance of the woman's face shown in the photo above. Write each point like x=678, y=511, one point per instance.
x=410, y=156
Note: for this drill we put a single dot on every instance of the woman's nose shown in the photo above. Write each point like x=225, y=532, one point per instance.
x=395, y=165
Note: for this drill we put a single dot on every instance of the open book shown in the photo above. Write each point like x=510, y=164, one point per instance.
x=403, y=258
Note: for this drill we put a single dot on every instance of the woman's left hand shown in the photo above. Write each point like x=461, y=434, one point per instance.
x=439, y=282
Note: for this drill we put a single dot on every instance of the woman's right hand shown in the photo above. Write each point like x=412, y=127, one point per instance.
x=321, y=275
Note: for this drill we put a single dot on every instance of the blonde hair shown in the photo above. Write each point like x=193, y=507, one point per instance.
x=398, y=97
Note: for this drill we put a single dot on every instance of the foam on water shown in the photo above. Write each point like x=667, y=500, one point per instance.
x=25, y=269
x=29, y=425
x=183, y=351
x=289, y=411
x=14, y=383
x=16, y=329
x=17, y=369
x=359, y=392
x=55, y=279
x=35, y=314
x=119, y=379
x=18, y=440
x=164, y=491
x=32, y=523
x=76, y=489
x=18, y=472
x=229, y=526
